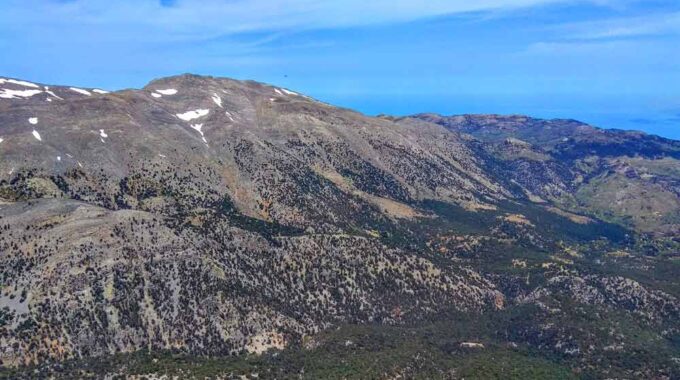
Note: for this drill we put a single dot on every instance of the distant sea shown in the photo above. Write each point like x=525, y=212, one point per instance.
x=632, y=113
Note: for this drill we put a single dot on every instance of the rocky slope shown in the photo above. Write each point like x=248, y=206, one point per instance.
x=624, y=176
x=208, y=216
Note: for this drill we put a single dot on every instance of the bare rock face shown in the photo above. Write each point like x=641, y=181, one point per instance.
x=216, y=217
x=203, y=214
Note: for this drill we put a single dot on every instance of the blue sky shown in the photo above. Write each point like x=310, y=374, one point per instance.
x=612, y=63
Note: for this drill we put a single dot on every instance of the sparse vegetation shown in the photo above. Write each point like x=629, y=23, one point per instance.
x=334, y=244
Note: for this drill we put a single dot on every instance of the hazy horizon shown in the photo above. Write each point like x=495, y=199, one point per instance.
x=606, y=63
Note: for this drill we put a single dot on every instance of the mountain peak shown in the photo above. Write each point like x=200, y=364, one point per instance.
x=188, y=80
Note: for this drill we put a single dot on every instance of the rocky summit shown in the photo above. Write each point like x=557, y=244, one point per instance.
x=208, y=227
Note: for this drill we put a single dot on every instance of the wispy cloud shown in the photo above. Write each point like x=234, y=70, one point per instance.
x=200, y=18
x=644, y=40
x=561, y=47
x=637, y=26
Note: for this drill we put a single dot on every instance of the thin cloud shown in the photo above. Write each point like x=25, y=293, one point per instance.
x=578, y=47
x=628, y=27
x=205, y=18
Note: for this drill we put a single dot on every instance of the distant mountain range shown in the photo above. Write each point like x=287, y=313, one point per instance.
x=143, y=232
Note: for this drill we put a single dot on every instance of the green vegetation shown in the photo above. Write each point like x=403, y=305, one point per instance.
x=352, y=352
x=629, y=201
x=546, y=223
x=267, y=229
x=514, y=347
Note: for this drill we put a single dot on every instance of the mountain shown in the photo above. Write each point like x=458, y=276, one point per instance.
x=623, y=176
x=205, y=226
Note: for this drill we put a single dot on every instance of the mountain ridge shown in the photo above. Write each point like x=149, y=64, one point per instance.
x=209, y=216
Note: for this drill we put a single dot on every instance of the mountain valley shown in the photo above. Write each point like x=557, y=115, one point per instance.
x=210, y=227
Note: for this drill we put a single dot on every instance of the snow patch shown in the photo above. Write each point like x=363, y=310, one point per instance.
x=216, y=98
x=80, y=91
x=289, y=92
x=198, y=127
x=278, y=91
x=229, y=115
x=47, y=90
x=58, y=158
x=103, y=134
x=98, y=91
x=161, y=155
x=37, y=135
x=155, y=95
x=33, y=120
x=12, y=94
x=169, y=91
x=19, y=82
x=190, y=115
x=1, y=139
